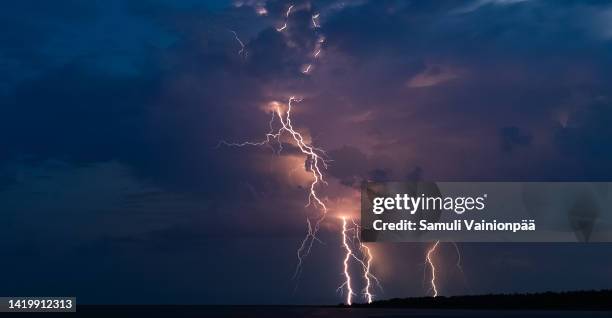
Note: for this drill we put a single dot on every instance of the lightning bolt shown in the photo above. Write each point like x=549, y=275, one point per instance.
x=432, y=267
x=282, y=28
x=315, y=55
x=242, y=46
x=289, y=11
x=315, y=21
x=347, y=257
x=307, y=68
x=458, y=264
x=316, y=162
x=286, y=24
x=366, y=273
x=365, y=262
x=314, y=155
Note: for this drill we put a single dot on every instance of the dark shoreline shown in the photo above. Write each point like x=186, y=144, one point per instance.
x=600, y=300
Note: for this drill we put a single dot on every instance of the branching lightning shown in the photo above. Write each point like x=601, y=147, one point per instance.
x=281, y=131
x=366, y=264
x=363, y=259
x=366, y=273
x=281, y=127
x=315, y=163
x=315, y=159
x=433, y=267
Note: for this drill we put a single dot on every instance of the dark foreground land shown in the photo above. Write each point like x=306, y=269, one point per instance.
x=576, y=300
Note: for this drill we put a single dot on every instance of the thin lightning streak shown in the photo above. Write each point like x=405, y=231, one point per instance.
x=282, y=28
x=315, y=22
x=366, y=266
x=347, y=257
x=289, y=11
x=307, y=69
x=317, y=52
x=433, y=268
x=366, y=273
x=269, y=137
x=287, y=14
x=458, y=264
x=239, y=42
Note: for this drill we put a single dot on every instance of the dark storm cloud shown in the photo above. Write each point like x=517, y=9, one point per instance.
x=511, y=137
x=163, y=112
x=586, y=139
x=349, y=164
x=160, y=121
x=6, y=180
x=80, y=115
x=472, y=70
x=352, y=167
x=202, y=58
x=37, y=38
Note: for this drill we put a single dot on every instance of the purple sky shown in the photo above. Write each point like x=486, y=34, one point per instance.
x=112, y=111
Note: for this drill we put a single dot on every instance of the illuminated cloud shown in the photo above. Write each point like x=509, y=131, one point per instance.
x=433, y=75
x=477, y=4
x=603, y=23
x=361, y=117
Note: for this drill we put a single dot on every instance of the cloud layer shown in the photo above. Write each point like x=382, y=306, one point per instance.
x=128, y=100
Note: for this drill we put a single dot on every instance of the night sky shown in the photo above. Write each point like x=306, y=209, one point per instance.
x=113, y=187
